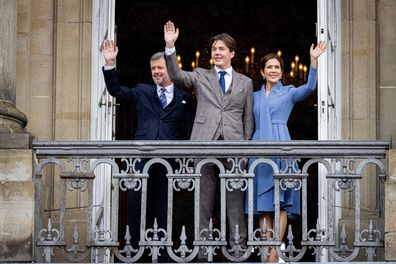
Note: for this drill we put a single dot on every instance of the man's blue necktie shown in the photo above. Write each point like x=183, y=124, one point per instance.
x=162, y=98
x=222, y=80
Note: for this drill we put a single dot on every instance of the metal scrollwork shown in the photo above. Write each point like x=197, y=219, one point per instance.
x=238, y=165
x=48, y=241
x=155, y=231
x=372, y=234
x=183, y=249
x=184, y=184
x=130, y=184
x=75, y=248
x=236, y=249
x=76, y=183
x=290, y=249
x=319, y=232
x=102, y=234
x=343, y=249
x=185, y=167
x=346, y=166
x=290, y=166
x=130, y=164
x=290, y=184
x=128, y=249
x=78, y=179
x=236, y=184
x=212, y=234
x=47, y=234
x=340, y=169
x=344, y=184
x=260, y=233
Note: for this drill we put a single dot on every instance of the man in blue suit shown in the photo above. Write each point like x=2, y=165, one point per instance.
x=171, y=121
x=164, y=112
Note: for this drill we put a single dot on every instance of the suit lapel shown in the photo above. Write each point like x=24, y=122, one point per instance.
x=215, y=84
x=156, y=102
x=234, y=86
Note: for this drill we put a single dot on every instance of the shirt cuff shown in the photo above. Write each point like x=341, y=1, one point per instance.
x=107, y=67
x=169, y=51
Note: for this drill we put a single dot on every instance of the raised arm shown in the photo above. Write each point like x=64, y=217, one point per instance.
x=304, y=90
x=183, y=78
x=109, y=51
x=170, y=34
x=316, y=52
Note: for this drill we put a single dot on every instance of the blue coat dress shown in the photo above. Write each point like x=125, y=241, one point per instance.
x=271, y=114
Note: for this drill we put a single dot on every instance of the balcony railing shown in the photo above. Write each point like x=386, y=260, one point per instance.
x=82, y=172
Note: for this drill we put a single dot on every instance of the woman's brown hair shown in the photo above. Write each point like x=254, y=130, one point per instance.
x=268, y=57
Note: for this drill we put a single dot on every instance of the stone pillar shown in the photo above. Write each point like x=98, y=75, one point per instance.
x=390, y=205
x=359, y=71
x=387, y=121
x=16, y=162
x=11, y=119
x=387, y=66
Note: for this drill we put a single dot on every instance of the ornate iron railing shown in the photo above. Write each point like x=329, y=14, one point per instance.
x=73, y=167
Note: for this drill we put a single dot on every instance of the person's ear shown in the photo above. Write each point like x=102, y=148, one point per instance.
x=232, y=54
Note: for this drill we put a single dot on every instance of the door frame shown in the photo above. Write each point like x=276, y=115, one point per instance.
x=102, y=107
x=329, y=102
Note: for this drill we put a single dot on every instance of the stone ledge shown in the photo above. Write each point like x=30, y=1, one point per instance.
x=16, y=141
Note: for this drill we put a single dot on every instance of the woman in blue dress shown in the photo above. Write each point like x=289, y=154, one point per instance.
x=272, y=106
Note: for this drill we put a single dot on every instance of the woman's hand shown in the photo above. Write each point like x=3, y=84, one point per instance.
x=316, y=52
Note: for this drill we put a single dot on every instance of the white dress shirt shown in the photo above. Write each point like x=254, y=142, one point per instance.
x=227, y=77
x=168, y=92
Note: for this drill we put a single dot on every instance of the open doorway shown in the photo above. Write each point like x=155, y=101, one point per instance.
x=268, y=26
x=285, y=25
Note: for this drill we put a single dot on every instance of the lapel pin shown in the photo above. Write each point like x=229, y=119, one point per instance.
x=184, y=102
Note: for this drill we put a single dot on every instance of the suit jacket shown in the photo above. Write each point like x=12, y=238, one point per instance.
x=229, y=115
x=172, y=123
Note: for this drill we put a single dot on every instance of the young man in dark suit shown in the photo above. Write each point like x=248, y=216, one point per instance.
x=165, y=112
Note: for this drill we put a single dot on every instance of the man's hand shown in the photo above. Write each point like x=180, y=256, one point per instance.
x=170, y=34
x=110, y=52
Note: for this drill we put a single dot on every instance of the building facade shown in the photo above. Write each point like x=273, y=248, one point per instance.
x=51, y=81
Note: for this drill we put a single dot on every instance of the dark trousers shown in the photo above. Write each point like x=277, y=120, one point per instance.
x=157, y=197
